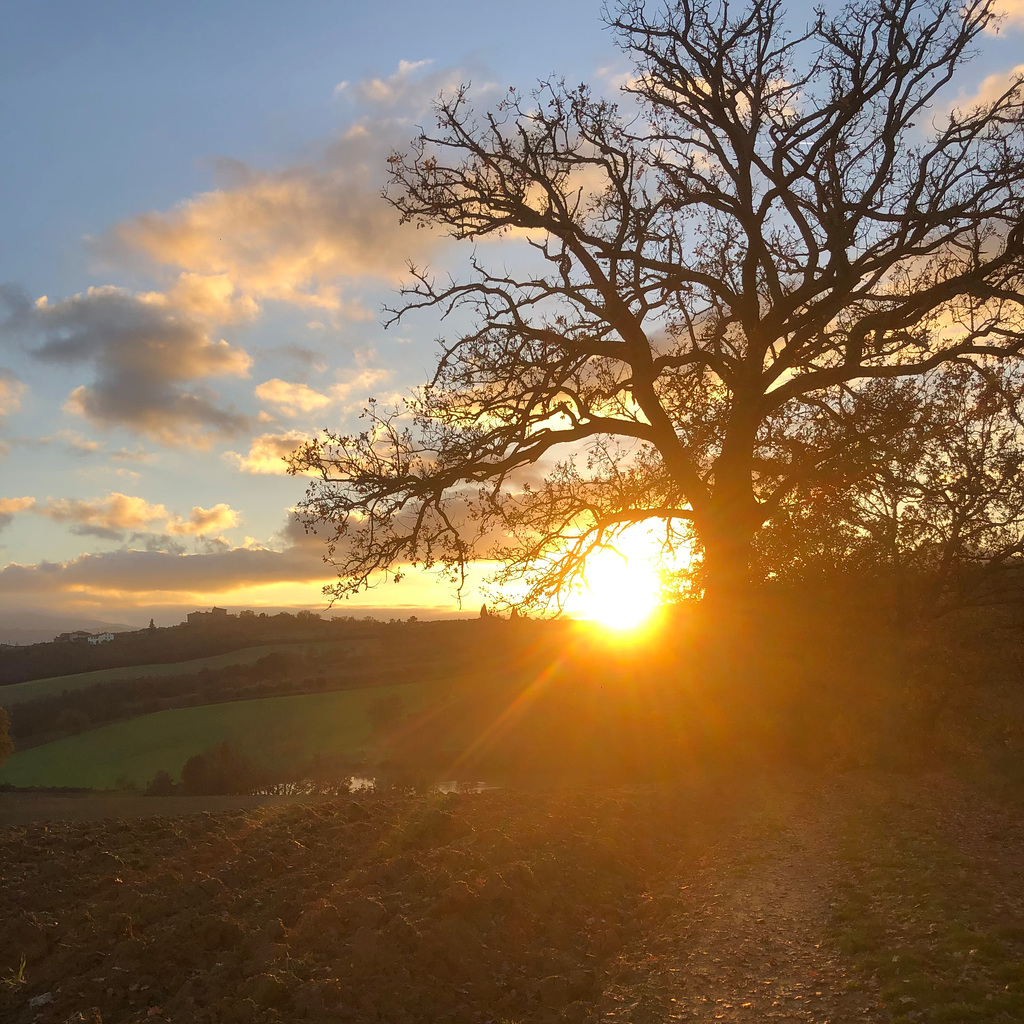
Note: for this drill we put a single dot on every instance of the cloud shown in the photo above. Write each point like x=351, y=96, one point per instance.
x=290, y=398
x=10, y=506
x=80, y=445
x=267, y=453
x=359, y=384
x=212, y=297
x=148, y=356
x=12, y=391
x=306, y=359
x=395, y=90
x=295, y=399
x=117, y=514
x=993, y=86
x=306, y=233
x=203, y=521
x=1011, y=10
x=108, y=517
x=154, y=571
x=290, y=236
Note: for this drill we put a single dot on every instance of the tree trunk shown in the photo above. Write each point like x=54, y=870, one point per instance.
x=727, y=534
x=726, y=568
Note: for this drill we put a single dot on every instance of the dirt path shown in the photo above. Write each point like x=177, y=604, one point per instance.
x=742, y=938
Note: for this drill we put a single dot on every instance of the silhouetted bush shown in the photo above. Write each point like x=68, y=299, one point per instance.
x=162, y=785
x=219, y=770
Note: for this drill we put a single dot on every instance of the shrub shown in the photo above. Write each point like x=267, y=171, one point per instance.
x=162, y=785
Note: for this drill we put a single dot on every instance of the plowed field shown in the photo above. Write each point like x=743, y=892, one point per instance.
x=855, y=899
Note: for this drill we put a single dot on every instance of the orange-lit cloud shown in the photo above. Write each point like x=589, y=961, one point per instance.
x=291, y=398
x=117, y=514
x=107, y=517
x=1011, y=10
x=290, y=237
x=307, y=234
x=10, y=506
x=267, y=453
x=204, y=521
x=12, y=391
x=231, y=577
x=212, y=297
x=297, y=559
x=993, y=86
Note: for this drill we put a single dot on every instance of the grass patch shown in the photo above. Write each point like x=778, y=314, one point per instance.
x=15, y=693
x=273, y=731
x=925, y=921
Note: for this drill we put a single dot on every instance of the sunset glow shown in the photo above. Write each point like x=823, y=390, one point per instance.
x=623, y=585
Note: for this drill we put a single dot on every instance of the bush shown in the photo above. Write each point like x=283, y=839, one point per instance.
x=162, y=785
x=221, y=769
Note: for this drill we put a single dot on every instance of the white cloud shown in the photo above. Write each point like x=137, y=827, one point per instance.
x=388, y=91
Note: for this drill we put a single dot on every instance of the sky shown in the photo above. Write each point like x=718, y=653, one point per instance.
x=194, y=257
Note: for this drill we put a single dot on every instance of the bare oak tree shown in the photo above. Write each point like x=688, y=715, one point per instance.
x=721, y=268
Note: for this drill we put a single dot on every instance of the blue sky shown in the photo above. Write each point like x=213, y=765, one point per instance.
x=193, y=188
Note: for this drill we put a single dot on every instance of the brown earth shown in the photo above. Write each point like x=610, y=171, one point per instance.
x=715, y=902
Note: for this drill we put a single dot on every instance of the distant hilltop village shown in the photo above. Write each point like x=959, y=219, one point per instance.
x=83, y=636
x=215, y=614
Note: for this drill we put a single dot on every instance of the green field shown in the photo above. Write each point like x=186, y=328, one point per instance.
x=18, y=692
x=272, y=730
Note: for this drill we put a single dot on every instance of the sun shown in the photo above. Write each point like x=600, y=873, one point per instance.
x=622, y=584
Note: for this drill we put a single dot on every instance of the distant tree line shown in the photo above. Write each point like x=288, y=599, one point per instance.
x=427, y=652
x=170, y=644
x=224, y=770
x=118, y=699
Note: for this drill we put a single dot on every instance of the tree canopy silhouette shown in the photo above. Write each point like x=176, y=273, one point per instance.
x=704, y=293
